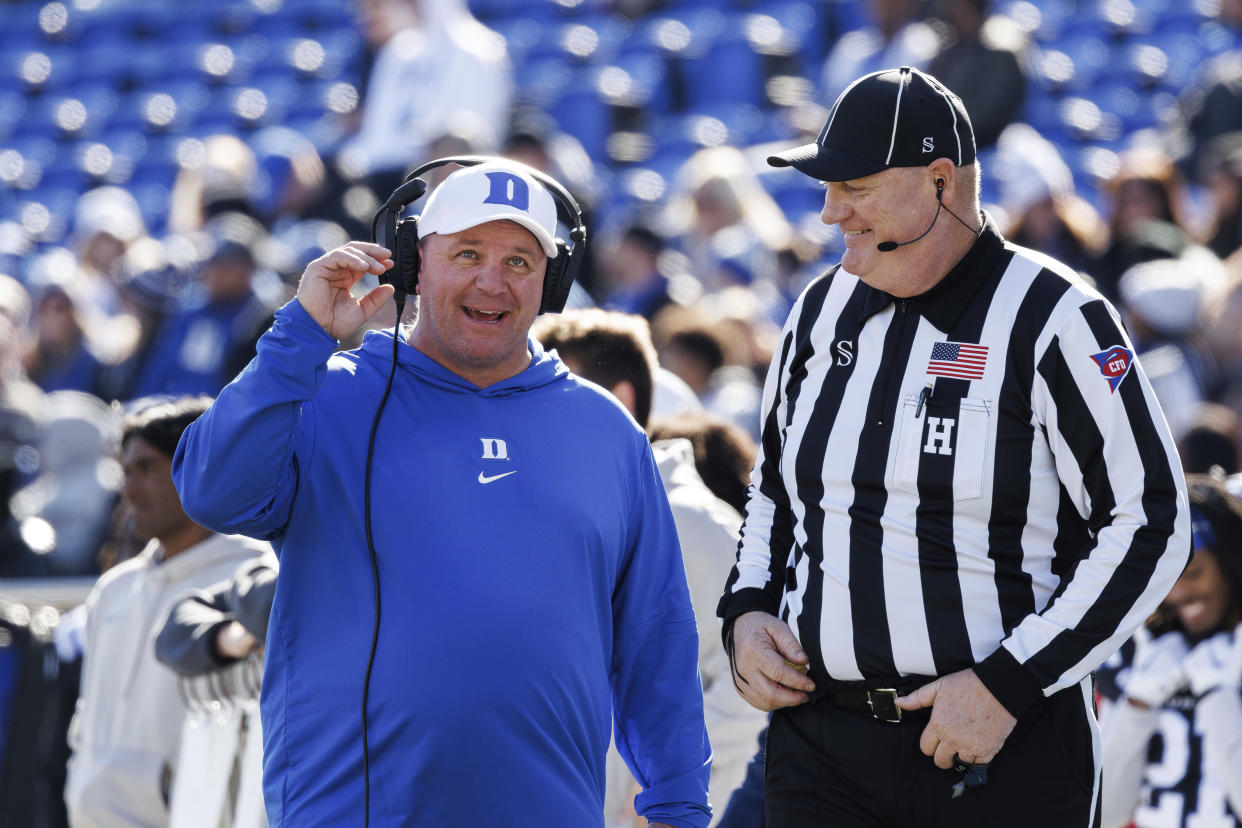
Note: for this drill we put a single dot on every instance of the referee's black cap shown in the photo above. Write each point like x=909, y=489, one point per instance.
x=893, y=118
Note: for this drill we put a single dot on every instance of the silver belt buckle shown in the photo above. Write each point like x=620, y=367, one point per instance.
x=883, y=704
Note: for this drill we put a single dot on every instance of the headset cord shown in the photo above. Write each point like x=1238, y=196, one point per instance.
x=375, y=580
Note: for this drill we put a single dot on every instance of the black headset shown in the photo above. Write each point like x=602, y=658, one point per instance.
x=401, y=235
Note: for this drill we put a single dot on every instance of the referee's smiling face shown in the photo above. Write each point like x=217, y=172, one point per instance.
x=893, y=205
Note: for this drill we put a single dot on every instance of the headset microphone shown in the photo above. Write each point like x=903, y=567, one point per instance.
x=890, y=246
x=411, y=190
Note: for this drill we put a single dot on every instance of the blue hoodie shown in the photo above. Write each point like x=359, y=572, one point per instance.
x=531, y=585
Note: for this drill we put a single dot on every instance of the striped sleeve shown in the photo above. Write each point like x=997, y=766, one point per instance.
x=1117, y=464
x=756, y=581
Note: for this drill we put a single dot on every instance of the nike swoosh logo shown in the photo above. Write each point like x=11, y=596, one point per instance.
x=484, y=479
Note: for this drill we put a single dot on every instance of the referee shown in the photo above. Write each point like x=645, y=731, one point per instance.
x=966, y=499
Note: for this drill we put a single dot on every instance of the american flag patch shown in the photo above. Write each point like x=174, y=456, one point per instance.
x=958, y=360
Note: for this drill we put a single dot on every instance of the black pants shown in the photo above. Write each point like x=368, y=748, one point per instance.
x=832, y=767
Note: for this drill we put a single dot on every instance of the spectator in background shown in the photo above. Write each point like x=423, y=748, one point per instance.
x=225, y=180
x=127, y=728
x=690, y=347
x=290, y=176
x=1222, y=174
x=209, y=629
x=981, y=59
x=201, y=348
x=1211, y=106
x=439, y=69
x=698, y=349
x=536, y=140
x=633, y=281
x=728, y=224
x=106, y=223
x=723, y=453
x=1037, y=195
x=76, y=487
x=21, y=424
x=149, y=283
x=59, y=356
x=1210, y=445
x=614, y=350
x=1223, y=334
x=896, y=37
x=1163, y=303
x=1172, y=746
x=1146, y=204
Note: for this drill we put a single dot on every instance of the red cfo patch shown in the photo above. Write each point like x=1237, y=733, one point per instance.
x=1114, y=364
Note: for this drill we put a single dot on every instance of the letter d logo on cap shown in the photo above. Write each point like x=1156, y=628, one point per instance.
x=508, y=189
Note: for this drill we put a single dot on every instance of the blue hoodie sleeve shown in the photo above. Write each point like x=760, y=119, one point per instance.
x=235, y=468
x=657, y=694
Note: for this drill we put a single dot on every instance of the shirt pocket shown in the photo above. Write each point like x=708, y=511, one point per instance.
x=945, y=444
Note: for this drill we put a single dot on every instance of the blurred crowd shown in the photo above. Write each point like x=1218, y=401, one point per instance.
x=713, y=260
x=710, y=255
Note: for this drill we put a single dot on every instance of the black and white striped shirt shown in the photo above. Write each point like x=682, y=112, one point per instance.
x=979, y=476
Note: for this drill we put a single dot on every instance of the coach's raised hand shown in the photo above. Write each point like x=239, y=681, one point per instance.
x=324, y=291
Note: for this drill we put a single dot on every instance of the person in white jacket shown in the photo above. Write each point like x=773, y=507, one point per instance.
x=126, y=730
x=438, y=71
x=614, y=350
x=1172, y=741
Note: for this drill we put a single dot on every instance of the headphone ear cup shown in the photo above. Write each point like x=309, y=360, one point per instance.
x=407, y=256
x=386, y=236
x=559, y=279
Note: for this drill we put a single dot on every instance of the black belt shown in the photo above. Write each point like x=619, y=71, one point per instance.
x=875, y=698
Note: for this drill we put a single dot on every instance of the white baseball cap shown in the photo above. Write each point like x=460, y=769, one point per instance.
x=488, y=192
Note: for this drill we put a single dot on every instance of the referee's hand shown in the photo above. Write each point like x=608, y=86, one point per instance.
x=324, y=291
x=763, y=646
x=966, y=719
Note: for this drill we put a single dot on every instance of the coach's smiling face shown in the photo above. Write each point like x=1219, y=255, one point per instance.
x=479, y=292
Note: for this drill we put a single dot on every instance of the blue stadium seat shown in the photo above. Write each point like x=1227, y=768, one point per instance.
x=315, y=16
x=808, y=23
x=48, y=68
x=668, y=157
x=1084, y=120
x=582, y=111
x=649, y=75
x=745, y=123
x=521, y=35
x=541, y=82
x=1131, y=105
x=152, y=197
x=1093, y=55
x=490, y=10
x=1040, y=109
x=1184, y=51
x=795, y=197
x=1055, y=18
x=725, y=67
x=13, y=107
